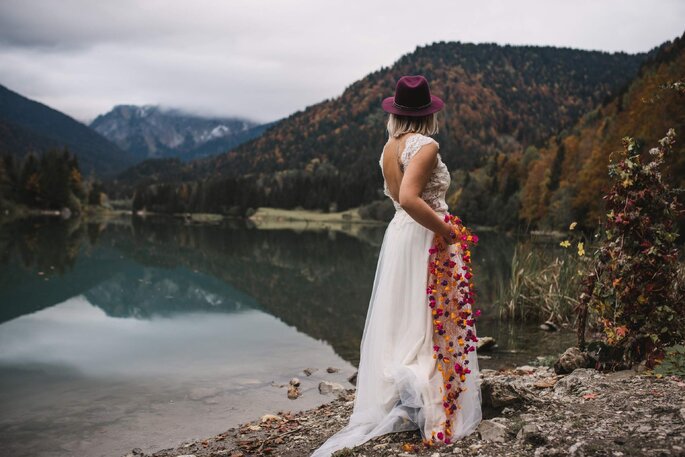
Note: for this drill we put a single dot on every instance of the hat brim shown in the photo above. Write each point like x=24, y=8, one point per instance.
x=389, y=107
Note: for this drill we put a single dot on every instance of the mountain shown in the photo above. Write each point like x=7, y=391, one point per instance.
x=499, y=99
x=570, y=175
x=155, y=132
x=28, y=126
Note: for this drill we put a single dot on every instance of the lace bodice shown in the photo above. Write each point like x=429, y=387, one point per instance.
x=439, y=181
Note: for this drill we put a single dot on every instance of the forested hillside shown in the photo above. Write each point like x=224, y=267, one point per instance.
x=564, y=184
x=563, y=181
x=500, y=99
x=27, y=126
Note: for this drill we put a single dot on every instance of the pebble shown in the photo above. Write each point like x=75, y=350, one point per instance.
x=326, y=387
x=293, y=392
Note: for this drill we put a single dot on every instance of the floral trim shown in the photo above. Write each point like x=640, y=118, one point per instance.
x=451, y=296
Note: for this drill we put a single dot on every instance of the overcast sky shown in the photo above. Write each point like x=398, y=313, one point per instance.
x=266, y=59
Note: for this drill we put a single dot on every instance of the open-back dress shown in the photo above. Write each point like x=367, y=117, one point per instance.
x=415, y=370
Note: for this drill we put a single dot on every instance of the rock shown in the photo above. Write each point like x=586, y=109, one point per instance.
x=497, y=394
x=309, y=371
x=332, y=370
x=485, y=343
x=353, y=379
x=575, y=381
x=620, y=374
x=530, y=433
x=525, y=369
x=570, y=360
x=295, y=382
x=572, y=450
x=549, y=326
x=270, y=417
x=326, y=387
x=545, y=383
x=493, y=431
x=293, y=392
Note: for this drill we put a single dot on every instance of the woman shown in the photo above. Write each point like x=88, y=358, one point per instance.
x=418, y=365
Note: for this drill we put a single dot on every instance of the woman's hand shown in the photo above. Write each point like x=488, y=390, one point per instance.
x=449, y=234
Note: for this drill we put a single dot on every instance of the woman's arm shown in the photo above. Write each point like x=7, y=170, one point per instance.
x=416, y=176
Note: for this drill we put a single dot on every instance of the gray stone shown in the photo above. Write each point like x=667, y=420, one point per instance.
x=575, y=381
x=530, y=433
x=499, y=394
x=326, y=387
x=493, y=431
x=485, y=343
x=525, y=369
x=309, y=371
x=295, y=382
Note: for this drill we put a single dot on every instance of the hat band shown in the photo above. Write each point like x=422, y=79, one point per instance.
x=411, y=108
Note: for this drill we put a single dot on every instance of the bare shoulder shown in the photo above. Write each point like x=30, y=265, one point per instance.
x=426, y=156
x=432, y=141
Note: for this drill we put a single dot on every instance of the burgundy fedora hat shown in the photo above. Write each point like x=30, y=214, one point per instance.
x=412, y=98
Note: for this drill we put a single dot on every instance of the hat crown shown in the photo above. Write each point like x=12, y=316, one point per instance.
x=412, y=98
x=412, y=92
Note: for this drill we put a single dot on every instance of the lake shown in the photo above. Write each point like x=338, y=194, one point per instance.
x=145, y=333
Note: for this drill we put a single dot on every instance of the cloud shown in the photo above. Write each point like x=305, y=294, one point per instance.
x=266, y=59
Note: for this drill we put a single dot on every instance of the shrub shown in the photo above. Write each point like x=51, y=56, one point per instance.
x=632, y=291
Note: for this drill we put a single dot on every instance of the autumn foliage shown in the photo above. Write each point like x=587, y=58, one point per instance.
x=632, y=291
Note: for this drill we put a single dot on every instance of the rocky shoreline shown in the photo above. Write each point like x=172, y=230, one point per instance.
x=527, y=411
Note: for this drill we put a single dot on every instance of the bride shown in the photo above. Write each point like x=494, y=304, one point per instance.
x=418, y=365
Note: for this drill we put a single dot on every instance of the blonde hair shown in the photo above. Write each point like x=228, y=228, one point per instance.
x=425, y=125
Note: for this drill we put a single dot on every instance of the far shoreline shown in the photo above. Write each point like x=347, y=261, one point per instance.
x=263, y=218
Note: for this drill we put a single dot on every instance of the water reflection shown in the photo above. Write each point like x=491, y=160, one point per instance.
x=76, y=380
x=318, y=282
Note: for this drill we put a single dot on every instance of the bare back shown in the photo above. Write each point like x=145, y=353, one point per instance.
x=392, y=168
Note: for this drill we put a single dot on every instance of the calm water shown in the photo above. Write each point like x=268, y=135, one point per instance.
x=144, y=334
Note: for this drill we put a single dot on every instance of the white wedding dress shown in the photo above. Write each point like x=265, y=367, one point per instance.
x=399, y=387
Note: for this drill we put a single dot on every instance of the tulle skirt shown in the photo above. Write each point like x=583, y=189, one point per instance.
x=399, y=387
